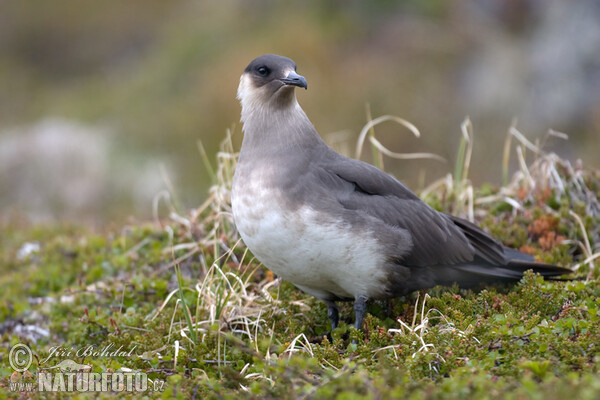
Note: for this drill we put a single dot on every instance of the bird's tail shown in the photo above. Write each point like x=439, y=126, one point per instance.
x=477, y=274
x=517, y=265
x=513, y=271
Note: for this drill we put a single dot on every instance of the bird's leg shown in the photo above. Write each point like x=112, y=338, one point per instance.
x=360, y=306
x=333, y=314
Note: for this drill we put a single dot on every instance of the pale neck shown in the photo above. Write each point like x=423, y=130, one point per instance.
x=274, y=127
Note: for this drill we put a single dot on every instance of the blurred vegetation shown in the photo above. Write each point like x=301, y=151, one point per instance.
x=159, y=76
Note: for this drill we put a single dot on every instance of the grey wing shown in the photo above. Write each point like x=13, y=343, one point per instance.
x=438, y=238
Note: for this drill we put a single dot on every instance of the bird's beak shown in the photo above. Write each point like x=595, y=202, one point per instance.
x=294, y=79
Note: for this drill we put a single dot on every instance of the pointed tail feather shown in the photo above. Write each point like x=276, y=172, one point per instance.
x=514, y=270
x=518, y=263
x=475, y=275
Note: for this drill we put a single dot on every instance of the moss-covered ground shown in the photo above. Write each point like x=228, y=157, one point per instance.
x=183, y=301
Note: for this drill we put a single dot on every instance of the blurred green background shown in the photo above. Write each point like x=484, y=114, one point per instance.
x=101, y=102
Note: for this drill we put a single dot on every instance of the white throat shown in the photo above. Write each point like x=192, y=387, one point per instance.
x=257, y=101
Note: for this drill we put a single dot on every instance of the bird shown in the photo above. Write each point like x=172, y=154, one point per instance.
x=338, y=228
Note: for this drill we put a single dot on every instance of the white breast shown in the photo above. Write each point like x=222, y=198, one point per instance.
x=313, y=250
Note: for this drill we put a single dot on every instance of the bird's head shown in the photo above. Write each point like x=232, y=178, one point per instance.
x=269, y=82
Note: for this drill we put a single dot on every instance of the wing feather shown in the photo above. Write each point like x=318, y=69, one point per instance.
x=438, y=238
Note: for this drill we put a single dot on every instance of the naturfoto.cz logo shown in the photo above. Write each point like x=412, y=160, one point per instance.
x=70, y=376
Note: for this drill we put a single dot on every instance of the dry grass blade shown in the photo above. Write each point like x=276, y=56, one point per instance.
x=206, y=161
x=299, y=344
x=524, y=169
x=403, y=156
x=371, y=124
x=524, y=141
x=586, y=245
x=463, y=161
x=560, y=135
x=162, y=195
x=506, y=155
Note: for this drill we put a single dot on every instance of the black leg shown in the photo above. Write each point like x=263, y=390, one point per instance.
x=360, y=306
x=332, y=313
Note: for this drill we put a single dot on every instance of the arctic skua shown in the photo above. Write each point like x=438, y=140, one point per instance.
x=338, y=228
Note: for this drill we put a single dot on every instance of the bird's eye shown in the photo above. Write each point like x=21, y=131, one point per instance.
x=264, y=71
